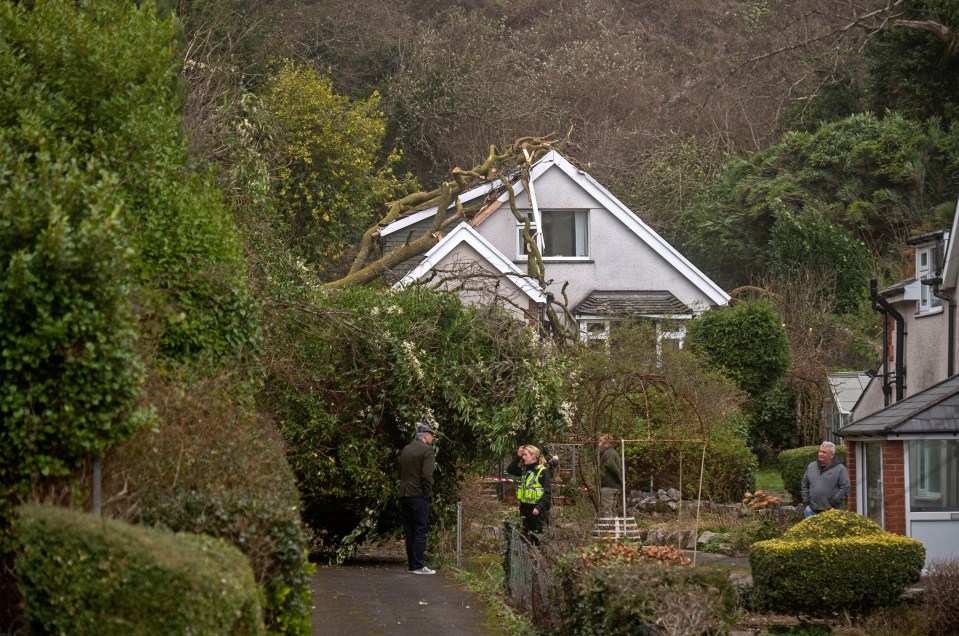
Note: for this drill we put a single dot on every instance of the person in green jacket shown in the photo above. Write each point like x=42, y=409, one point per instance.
x=416, y=489
x=610, y=477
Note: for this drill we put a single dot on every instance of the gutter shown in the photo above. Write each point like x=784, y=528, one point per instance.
x=950, y=326
x=881, y=304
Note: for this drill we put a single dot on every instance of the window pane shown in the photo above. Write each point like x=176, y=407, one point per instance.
x=933, y=476
x=559, y=231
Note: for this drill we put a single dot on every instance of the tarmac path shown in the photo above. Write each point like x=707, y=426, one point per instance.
x=382, y=598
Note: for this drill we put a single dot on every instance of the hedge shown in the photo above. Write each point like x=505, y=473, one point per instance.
x=82, y=574
x=650, y=598
x=836, y=560
x=793, y=464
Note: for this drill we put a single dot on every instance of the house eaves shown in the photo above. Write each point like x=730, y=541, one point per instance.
x=933, y=411
x=464, y=233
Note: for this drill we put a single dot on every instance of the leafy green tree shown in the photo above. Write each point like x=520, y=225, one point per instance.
x=114, y=257
x=860, y=179
x=744, y=340
x=332, y=176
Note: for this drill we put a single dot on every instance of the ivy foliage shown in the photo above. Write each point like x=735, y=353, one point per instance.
x=354, y=372
x=332, y=175
x=824, y=201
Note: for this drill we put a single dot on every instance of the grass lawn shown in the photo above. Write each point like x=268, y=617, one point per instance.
x=768, y=479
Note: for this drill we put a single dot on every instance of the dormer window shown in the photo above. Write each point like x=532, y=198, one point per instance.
x=928, y=267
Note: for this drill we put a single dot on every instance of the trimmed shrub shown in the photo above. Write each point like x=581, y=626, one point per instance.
x=729, y=471
x=650, y=598
x=793, y=463
x=836, y=560
x=273, y=539
x=82, y=574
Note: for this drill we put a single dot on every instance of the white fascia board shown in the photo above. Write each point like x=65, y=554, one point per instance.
x=950, y=271
x=605, y=198
x=464, y=233
x=412, y=219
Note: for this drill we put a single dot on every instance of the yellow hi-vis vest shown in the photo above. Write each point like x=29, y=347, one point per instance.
x=530, y=490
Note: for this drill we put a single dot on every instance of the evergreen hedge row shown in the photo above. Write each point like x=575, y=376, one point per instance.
x=81, y=574
x=836, y=560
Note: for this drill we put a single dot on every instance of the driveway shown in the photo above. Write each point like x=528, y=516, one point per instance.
x=383, y=598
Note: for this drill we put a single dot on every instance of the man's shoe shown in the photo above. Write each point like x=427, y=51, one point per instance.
x=423, y=570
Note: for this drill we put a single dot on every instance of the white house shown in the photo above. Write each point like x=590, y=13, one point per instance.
x=609, y=264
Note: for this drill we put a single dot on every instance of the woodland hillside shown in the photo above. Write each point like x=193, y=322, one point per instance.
x=176, y=226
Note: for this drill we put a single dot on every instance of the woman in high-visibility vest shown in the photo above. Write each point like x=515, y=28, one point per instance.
x=533, y=490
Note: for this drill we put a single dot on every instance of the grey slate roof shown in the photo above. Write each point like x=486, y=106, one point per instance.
x=631, y=303
x=935, y=410
x=846, y=388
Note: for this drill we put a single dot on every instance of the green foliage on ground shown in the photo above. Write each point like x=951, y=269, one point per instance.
x=792, y=464
x=83, y=574
x=211, y=465
x=354, y=370
x=271, y=537
x=834, y=561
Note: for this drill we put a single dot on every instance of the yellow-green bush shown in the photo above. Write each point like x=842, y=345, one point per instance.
x=832, y=561
x=82, y=574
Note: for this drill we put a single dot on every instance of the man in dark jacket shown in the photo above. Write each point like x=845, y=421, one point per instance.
x=416, y=488
x=825, y=483
x=610, y=477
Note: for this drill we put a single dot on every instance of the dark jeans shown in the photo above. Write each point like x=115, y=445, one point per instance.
x=415, y=512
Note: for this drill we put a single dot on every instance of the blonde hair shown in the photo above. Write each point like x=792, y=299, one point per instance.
x=536, y=453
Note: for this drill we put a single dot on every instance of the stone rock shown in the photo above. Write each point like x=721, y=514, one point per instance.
x=673, y=494
x=706, y=537
x=672, y=505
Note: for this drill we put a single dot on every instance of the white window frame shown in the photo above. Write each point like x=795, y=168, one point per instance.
x=581, y=221
x=925, y=268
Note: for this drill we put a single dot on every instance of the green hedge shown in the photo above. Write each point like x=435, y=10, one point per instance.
x=793, y=464
x=730, y=468
x=836, y=560
x=82, y=574
x=650, y=598
x=272, y=538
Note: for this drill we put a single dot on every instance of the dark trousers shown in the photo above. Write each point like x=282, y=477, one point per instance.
x=415, y=512
x=533, y=525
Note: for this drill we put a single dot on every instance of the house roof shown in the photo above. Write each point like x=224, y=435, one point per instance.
x=463, y=233
x=631, y=303
x=606, y=199
x=846, y=388
x=935, y=410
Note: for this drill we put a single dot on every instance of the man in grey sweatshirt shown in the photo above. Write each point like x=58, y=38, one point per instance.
x=825, y=483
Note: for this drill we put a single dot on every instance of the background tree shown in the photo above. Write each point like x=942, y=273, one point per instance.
x=747, y=342
x=667, y=405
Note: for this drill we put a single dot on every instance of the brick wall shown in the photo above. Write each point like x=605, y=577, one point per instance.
x=894, y=486
x=851, y=468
